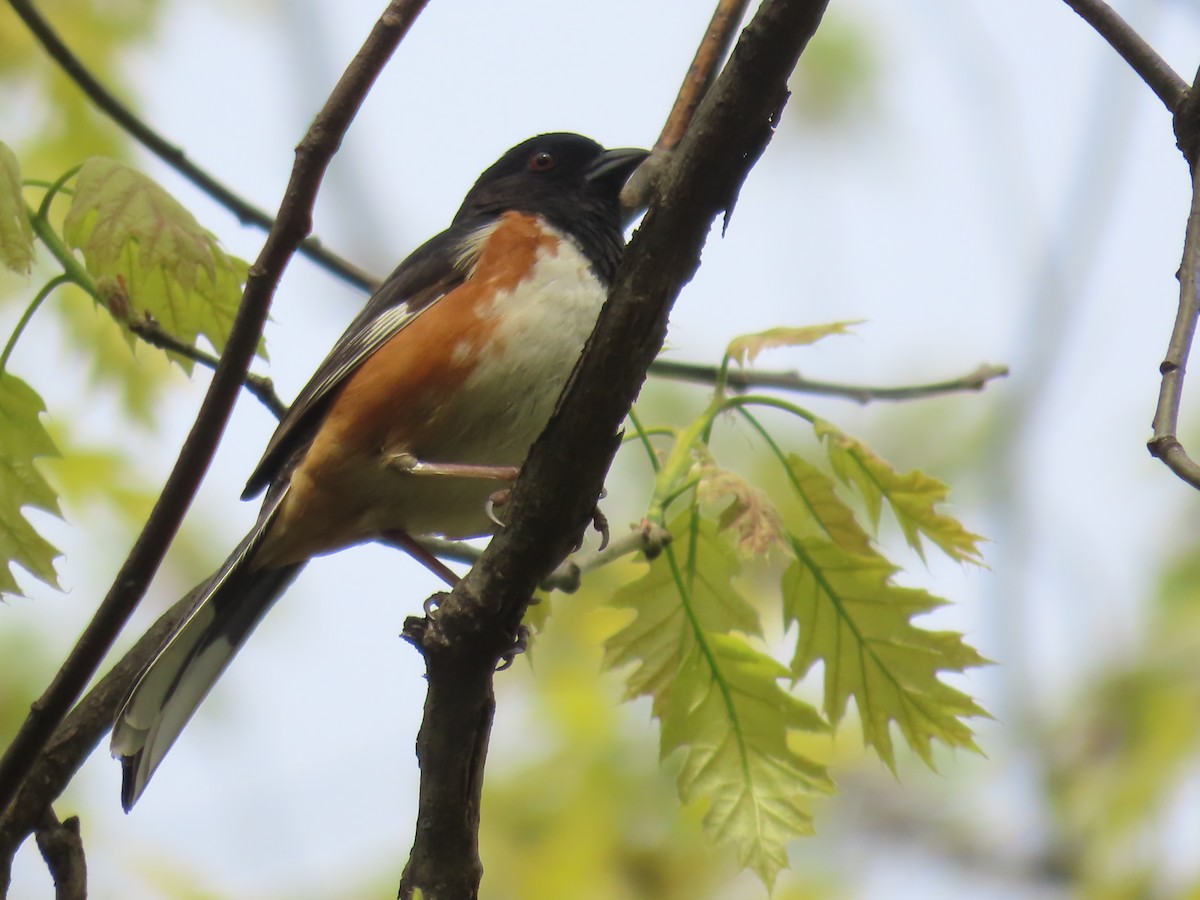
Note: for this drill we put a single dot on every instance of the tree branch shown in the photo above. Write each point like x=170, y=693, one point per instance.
x=293, y=223
x=645, y=537
x=62, y=849
x=258, y=385
x=563, y=475
x=1153, y=69
x=1164, y=444
x=173, y=156
x=713, y=49
x=75, y=740
x=749, y=379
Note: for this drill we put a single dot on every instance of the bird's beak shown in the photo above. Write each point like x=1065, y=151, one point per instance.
x=615, y=166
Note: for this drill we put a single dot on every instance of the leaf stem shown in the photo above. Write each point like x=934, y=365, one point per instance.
x=46, y=291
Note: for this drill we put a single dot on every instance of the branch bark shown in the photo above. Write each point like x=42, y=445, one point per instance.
x=552, y=501
x=292, y=224
x=748, y=379
x=62, y=849
x=1166, y=83
x=1165, y=444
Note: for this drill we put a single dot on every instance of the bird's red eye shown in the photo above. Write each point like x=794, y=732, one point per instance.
x=542, y=161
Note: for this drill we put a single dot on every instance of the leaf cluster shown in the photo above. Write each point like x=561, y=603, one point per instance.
x=141, y=257
x=696, y=644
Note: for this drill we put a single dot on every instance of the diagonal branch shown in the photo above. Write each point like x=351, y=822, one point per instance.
x=293, y=223
x=713, y=49
x=554, y=497
x=173, y=156
x=258, y=385
x=1153, y=69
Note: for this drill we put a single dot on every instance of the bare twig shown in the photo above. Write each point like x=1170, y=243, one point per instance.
x=713, y=49
x=62, y=849
x=553, y=500
x=293, y=223
x=646, y=537
x=748, y=379
x=1164, y=444
x=1153, y=69
x=258, y=385
x=173, y=156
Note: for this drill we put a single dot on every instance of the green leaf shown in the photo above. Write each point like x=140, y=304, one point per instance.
x=745, y=349
x=912, y=496
x=858, y=623
x=16, y=234
x=827, y=510
x=663, y=632
x=719, y=699
x=22, y=440
x=143, y=246
x=730, y=719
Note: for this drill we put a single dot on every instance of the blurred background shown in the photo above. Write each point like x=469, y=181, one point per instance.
x=981, y=182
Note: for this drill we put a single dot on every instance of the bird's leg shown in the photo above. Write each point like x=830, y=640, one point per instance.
x=408, y=544
x=409, y=464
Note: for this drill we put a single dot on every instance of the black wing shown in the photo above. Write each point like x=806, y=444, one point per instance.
x=436, y=267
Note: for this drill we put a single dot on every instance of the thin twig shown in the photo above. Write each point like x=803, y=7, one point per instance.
x=293, y=223
x=1164, y=444
x=258, y=385
x=646, y=537
x=713, y=49
x=172, y=155
x=750, y=379
x=1153, y=69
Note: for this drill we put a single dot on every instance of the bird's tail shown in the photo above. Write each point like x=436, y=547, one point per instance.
x=224, y=611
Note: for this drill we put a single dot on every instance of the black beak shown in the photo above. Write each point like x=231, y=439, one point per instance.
x=615, y=166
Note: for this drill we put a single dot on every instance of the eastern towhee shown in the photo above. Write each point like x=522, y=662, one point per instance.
x=437, y=389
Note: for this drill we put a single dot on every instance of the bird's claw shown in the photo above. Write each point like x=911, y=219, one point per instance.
x=498, y=498
x=520, y=645
x=600, y=523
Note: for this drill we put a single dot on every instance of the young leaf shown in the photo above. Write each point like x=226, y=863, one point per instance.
x=912, y=496
x=730, y=718
x=855, y=620
x=135, y=235
x=751, y=518
x=664, y=630
x=22, y=440
x=719, y=699
x=828, y=511
x=745, y=349
x=16, y=234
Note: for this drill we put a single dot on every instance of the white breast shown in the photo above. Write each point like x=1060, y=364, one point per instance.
x=542, y=324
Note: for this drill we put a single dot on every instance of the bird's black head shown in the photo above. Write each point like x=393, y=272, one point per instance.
x=571, y=181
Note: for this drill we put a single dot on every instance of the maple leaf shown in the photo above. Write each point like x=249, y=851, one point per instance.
x=858, y=623
x=818, y=495
x=730, y=719
x=23, y=440
x=719, y=699
x=16, y=234
x=142, y=243
x=745, y=349
x=912, y=496
x=662, y=634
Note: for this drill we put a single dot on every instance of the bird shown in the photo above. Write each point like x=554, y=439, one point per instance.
x=431, y=398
